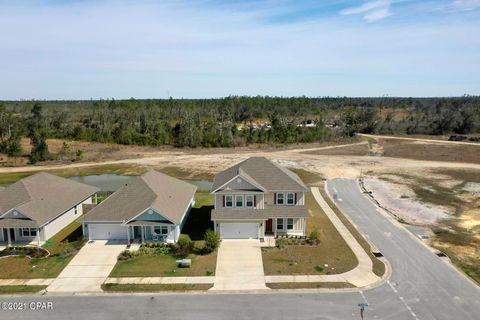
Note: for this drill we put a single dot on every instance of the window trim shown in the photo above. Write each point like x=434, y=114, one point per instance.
x=292, y=224
x=226, y=201
x=31, y=232
x=162, y=228
x=282, y=224
x=243, y=200
x=251, y=196
x=283, y=198
x=293, y=199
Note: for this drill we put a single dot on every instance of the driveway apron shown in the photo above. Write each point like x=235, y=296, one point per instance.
x=89, y=268
x=239, y=266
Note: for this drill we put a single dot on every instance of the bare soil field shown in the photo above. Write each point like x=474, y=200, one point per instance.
x=430, y=182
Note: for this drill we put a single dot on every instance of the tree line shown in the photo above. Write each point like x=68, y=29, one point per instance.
x=229, y=122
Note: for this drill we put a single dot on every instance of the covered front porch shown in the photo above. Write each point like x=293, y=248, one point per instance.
x=285, y=226
x=151, y=231
x=27, y=233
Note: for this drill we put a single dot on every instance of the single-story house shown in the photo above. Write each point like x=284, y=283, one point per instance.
x=152, y=207
x=35, y=208
x=257, y=198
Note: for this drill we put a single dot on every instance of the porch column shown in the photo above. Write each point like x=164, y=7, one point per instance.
x=128, y=234
x=9, y=239
x=38, y=237
x=142, y=231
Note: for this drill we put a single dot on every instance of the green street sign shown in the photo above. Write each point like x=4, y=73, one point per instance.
x=363, y=305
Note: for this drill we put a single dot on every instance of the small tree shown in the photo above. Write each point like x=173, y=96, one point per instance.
x=212, y=241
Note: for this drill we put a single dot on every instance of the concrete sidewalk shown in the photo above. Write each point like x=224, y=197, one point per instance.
x=26, y=282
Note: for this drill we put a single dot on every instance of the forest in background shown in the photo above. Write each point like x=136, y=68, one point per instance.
x=231, y=121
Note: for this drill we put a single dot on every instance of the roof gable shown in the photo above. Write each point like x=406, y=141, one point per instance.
x=42, y=197
x=263, y=172
x=154, y=190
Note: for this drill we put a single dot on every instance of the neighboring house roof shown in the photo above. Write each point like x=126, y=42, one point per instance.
x=270, y=211
x=41, y=198
x=265, y=173
x=165, y=195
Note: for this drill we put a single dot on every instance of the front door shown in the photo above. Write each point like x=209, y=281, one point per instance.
x=137, y=234
x=268, y=226
x=12, y=234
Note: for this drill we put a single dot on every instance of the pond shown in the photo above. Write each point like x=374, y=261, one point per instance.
x=113, y=182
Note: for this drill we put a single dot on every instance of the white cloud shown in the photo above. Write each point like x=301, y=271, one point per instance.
x=466, y=5
x=372, y=10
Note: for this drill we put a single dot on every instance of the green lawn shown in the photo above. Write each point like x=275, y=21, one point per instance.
x=20, y=289
x=165, y=266
x=114, y=287
x=309, y=285
x=333, y=250
x=50, y=267
x=199, y=218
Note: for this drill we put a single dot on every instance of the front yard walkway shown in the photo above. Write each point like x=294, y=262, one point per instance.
x=239, y=266
x=89, y=268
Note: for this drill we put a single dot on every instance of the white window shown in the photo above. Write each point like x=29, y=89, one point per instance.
x=280, y=198
x=279, y=224
x=290, y=224
x=239, y=201
x=290, y=198
x=161, y=229
x=249, y=201
x=229, y=201
x=28, y=232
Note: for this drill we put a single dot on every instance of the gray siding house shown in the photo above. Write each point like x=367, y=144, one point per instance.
x=37, y=207
x=256, y=198
x=152, y=207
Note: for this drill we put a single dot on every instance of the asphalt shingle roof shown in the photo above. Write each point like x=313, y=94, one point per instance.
x=166, y=195
x=267, y=174
x=43, y=197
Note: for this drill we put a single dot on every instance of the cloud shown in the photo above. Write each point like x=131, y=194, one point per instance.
x=372, y=10
x=465, y=5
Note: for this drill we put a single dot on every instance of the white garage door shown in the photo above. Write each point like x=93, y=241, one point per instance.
x=107, y=232
x=239, y=230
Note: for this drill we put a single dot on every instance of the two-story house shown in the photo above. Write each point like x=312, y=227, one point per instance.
x=256, y=198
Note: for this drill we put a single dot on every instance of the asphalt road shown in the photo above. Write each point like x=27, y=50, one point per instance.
x=422, y=286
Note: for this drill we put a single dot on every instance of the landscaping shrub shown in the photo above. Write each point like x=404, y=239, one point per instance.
x=184, y=246
x=212, y=241
x=281, y=243
x=125, y=255
x=66, y=249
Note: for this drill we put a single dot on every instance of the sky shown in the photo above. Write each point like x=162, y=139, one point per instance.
x=83, y=49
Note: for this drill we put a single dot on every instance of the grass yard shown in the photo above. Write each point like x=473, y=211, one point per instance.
x=165, y=266
x=378, y=265
x=199, y=218
x=333, y=250
x=309, y=285
x=21, y=289
x=50, y=267
x=114, y=287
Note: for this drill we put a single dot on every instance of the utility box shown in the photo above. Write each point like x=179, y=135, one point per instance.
x=184, y=263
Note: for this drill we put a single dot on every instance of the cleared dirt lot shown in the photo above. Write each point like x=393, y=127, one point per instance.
x=430, y=176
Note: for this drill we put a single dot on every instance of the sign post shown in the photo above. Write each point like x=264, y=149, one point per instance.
x=362, y=308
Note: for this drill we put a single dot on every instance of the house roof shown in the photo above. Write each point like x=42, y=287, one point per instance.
x=265, y=173
x=166, y=195
x=270, y=211
x=42, y=197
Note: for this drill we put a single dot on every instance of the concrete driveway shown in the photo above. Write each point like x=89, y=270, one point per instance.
x=239, y=266
x=89, y=268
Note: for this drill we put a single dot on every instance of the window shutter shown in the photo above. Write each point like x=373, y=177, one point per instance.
x=274, y=198
x=254, y=201
x=223, y=201
x=295, y=198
